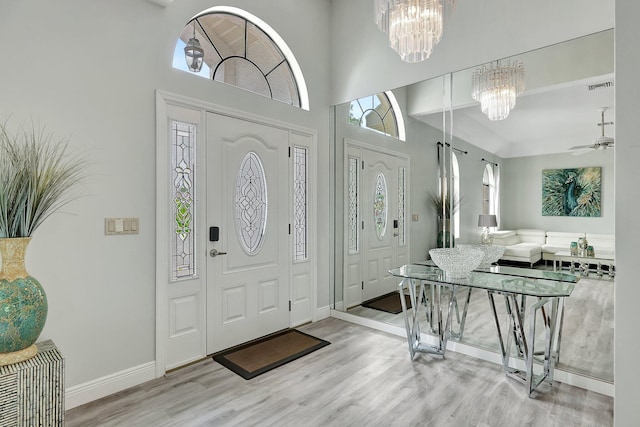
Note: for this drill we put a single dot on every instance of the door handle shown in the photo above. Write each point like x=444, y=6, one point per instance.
x=214, y=252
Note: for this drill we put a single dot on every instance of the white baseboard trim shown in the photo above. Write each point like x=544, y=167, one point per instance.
x=570, y=378
x=113, y=383
x=322, y=313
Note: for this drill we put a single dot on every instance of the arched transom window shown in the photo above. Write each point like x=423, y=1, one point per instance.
x=243, y=51
x=379, y=112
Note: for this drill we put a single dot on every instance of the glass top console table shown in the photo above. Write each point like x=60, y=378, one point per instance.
x=514, y=289
x=529, y=273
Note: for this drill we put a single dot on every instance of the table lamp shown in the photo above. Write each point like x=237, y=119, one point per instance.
x=487, y=221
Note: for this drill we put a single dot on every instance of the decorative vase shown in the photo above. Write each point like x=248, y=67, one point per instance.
x=573, y=248
x=445, y=237
x=23, y=304
x=582, y=246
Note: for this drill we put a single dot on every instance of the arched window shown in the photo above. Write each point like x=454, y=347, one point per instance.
x=380, y=113
x=491, y=191
x=243, y=51
x=488, y=191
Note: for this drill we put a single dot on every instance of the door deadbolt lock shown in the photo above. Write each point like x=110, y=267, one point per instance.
x=214, y=252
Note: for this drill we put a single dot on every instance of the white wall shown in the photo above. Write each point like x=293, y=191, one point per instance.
x=521, y=199
x=89, y=69
x=627, y=154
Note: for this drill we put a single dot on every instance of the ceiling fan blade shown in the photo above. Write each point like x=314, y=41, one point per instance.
x=579, y=147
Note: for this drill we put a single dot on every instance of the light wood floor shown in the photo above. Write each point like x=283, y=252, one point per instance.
x=364, y=378
x=587, y=335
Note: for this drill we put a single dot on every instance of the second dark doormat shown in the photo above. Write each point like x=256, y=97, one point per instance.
x=264, y=354
x=389, y=303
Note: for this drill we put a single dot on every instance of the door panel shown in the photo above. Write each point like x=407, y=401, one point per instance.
x=247, y=197
x=376, y=229
x=380, y=207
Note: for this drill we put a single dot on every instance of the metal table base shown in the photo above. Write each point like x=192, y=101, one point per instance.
x=440, y=320
x=434, y=315
x=551, y=311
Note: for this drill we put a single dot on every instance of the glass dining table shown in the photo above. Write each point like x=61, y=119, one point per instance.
x=433, y=291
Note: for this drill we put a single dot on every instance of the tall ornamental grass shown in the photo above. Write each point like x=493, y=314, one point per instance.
x=37, y=178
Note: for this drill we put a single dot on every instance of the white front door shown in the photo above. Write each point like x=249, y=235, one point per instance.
x=376, y=227
x=247, y=199
x=380, y=212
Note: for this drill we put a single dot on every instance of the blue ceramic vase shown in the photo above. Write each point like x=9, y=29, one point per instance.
x=23, y=304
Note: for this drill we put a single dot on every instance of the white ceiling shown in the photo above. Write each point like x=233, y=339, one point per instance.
x=547, y=121
x=556, y=111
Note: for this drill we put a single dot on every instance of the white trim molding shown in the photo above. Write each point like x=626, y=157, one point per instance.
x=321, y=313
x=109, y=384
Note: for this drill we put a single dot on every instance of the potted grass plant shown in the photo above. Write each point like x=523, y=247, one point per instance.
x=444, y=207
x=38, y=176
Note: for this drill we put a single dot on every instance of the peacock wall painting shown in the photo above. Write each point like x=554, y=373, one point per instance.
x=571, y=192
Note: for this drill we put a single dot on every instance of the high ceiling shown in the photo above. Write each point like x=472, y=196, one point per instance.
x=556, y=111
x=544, y=122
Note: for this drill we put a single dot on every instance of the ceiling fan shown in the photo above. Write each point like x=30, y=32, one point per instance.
x=600, y=143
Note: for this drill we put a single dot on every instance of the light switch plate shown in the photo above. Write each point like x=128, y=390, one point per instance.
x=113, y=226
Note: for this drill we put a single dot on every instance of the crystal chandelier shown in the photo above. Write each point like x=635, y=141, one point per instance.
x=496, y=87
x=414, y=27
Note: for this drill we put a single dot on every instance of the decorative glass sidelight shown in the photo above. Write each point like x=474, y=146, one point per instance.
x=354, y=189
x=299, y=203
x=183, y=142
x=380, y=206
x=401, y=207
x=251, y=203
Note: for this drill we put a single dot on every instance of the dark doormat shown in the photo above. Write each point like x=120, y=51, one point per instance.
x=390, y=303
x=264, y=354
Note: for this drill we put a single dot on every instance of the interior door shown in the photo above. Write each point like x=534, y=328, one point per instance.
x=247, y=199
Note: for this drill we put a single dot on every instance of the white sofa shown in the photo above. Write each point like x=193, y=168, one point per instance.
x=603, y=244
x=532, y=245
x=523, y=245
